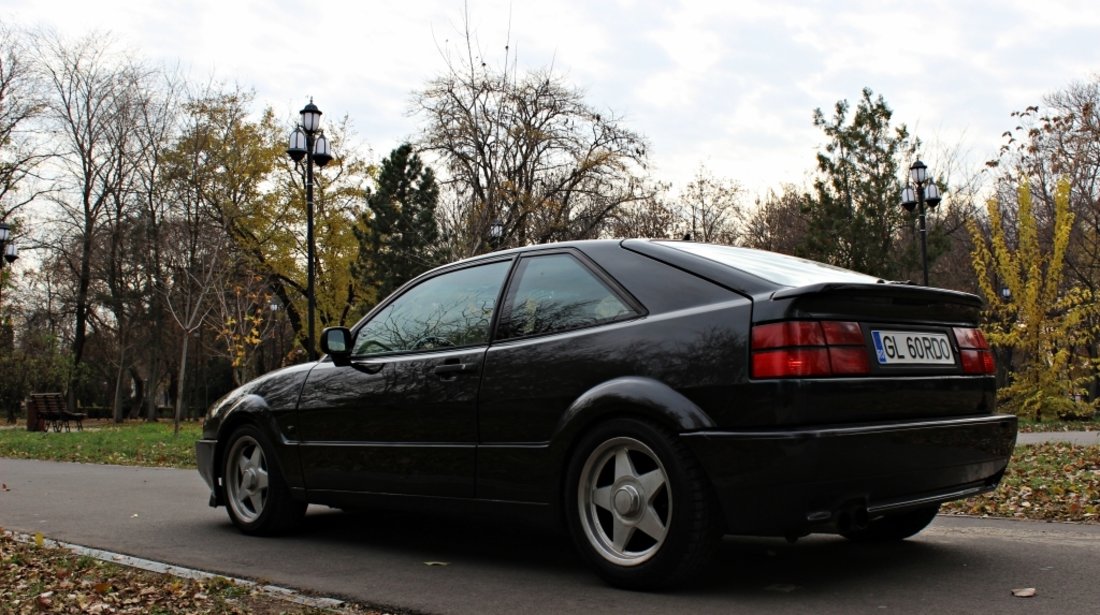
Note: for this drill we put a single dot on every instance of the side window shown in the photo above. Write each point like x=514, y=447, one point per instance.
x=557, y=293
x=452, y=309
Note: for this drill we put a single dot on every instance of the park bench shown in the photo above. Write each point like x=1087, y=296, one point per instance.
x=47, y=411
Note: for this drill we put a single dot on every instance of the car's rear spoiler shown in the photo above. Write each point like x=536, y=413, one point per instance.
x=900, y=291
x=892, y=302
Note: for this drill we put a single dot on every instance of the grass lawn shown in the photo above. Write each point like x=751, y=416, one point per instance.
x=134, y=444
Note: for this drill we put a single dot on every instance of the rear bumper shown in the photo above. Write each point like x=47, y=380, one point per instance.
x=791, y=481
x=204, y=458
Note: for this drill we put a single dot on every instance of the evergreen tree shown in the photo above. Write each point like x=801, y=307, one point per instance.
x=398, y=237
x=854, y=218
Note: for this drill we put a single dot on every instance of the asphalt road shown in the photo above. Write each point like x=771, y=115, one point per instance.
x=956, y=566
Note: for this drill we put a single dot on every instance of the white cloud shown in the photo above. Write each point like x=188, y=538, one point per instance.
x=729, y=84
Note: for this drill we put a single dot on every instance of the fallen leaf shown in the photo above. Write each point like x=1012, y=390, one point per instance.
x=1024, y=592
x=437, y=564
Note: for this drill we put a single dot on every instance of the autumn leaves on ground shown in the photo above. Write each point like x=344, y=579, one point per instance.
x=38, y=578
x=1054, y=481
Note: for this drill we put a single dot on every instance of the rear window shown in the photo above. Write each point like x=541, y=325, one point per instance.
x=777, y=268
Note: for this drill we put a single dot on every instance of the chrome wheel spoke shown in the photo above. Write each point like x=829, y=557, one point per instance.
x=256, y=499
x=623, y=466
x=256, y=460
x=261, y=480
x=622, y=535
x=653, y=483
x=652, y=525
x=602, y=497
x=243, y=462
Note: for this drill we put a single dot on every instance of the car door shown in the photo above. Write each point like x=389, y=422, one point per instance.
x=561, y=331
x=402, y=418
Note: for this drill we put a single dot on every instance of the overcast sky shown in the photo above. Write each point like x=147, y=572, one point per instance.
x=730, y=84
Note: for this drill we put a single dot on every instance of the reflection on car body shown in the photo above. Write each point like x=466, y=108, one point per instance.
x=650, y=395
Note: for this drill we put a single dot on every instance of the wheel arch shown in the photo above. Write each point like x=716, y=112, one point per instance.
x=248, y=410
x=626, y=397
x=645, y=397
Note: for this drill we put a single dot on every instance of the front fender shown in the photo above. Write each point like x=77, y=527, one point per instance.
x=254, y=408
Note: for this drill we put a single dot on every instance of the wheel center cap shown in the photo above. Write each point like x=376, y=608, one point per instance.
x=627, y=500
x=249, y=481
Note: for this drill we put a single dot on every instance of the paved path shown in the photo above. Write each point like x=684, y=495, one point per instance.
x=958, y=565
x=1084, y=438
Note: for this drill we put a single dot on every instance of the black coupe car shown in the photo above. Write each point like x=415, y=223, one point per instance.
x=651, y=395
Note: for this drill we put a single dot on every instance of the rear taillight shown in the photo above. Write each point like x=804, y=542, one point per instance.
x=808, y=348
x=977, y=358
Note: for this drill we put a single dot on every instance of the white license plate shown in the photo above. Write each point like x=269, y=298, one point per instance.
x=912, y=348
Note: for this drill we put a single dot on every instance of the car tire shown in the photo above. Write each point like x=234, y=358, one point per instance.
x=895, y=527
x=256, y=493
x=638, y=506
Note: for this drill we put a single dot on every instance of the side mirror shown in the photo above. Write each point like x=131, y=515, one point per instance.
x=336, y=342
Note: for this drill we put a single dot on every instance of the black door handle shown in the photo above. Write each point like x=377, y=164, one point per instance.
x=453, y=369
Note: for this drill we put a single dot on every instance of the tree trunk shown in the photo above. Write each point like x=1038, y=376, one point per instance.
x=117, y=411
x=179, y=383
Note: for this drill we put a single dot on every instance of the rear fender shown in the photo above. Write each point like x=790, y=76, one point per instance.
x=631, y=396
x=628, y=396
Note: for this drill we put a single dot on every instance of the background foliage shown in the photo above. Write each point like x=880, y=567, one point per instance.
x=162, y=224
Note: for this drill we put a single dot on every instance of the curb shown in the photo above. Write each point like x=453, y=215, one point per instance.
x=274, y=591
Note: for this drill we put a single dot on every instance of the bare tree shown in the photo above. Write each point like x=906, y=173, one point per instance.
x=777, y=223
x=188, y=291
x=88, y=100
x=653, y=216
x=711, y=208
x=21, y=105
x=527, y=150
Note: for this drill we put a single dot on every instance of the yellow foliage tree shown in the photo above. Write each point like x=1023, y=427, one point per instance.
x=1039, y=319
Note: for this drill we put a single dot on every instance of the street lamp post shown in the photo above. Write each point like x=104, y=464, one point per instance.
x=920, y=192
x=496, y=233
x=7, y=248
x=308, y=141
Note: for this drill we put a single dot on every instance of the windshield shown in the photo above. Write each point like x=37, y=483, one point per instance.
x=778, y=268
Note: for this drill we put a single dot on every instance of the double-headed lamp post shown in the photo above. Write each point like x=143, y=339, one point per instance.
x=922, y=191
x=496, y=233
x=7, y=247
x=308, y=141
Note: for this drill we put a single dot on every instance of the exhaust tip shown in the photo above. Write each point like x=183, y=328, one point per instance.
x=853, y=518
